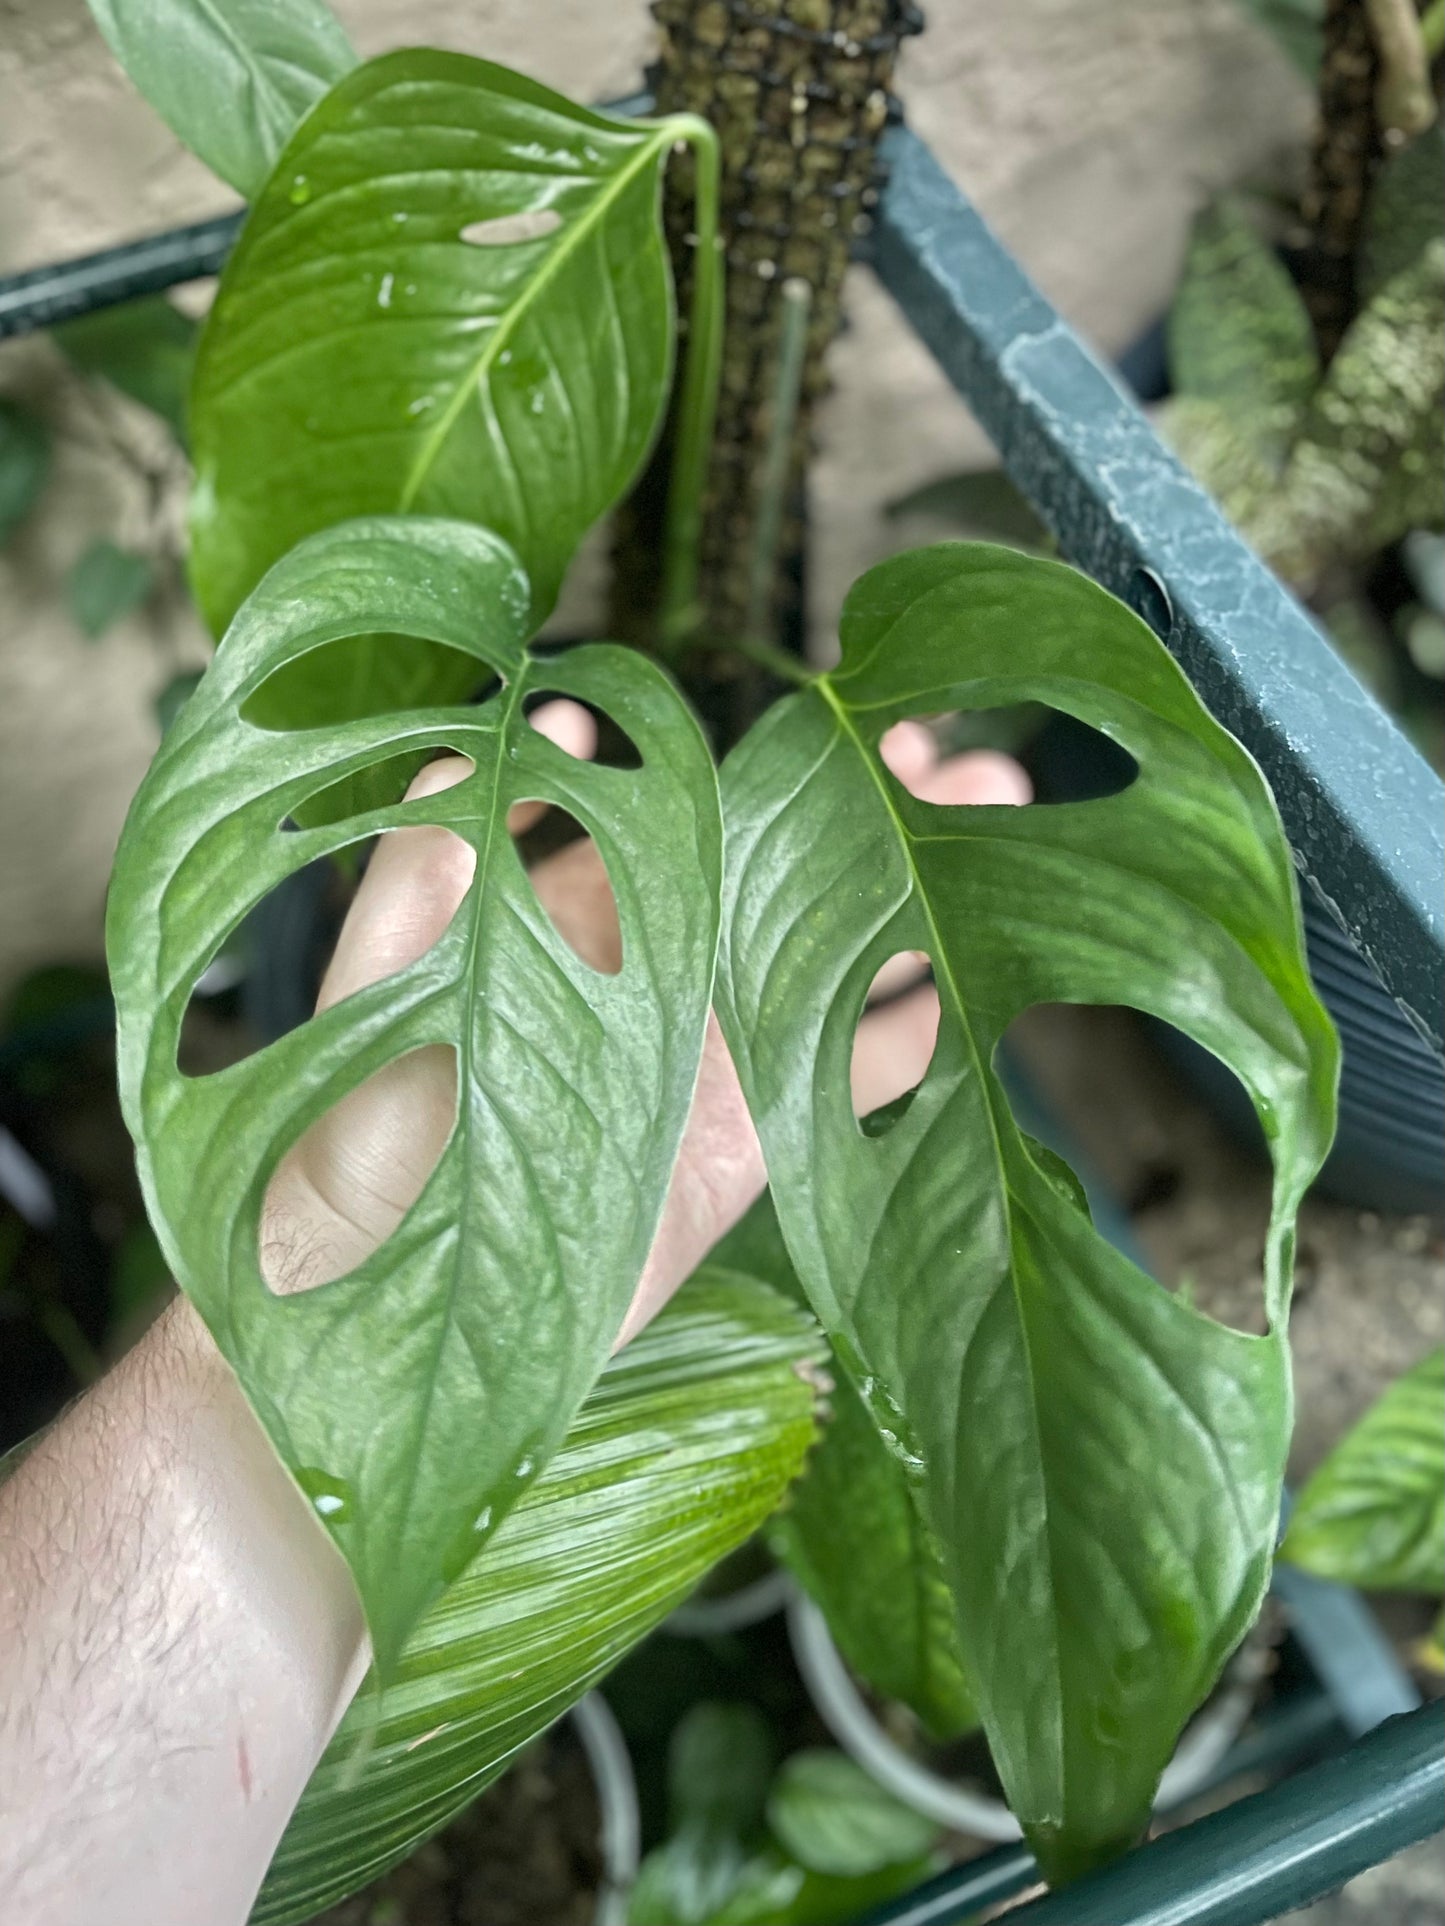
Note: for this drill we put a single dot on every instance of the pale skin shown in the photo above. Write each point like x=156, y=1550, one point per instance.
x=178, y=1637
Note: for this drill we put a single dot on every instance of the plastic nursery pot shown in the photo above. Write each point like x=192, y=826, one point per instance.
x=620, y=1826
x=961, y=1808
x=555, y=1842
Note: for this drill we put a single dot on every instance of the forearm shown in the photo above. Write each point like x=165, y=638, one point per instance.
x=177, y=1642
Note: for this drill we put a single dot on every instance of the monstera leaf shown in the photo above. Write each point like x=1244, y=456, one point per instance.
x=230, y=77
x=416, y=1396
x=685, y=1444
x=451, y=297
x=1100, y=1463
x=1374, y=1512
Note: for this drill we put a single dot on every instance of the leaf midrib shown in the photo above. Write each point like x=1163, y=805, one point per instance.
x=465, y=1069
x=572, y=237
x=943, y=967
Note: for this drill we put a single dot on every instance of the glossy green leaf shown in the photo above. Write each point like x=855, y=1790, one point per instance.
x=144, y=348
x=1100, y=1463
x=105, y=585
x=363, y=356
x=231, y=78
x=24, y=464
x=1406, y=211
x=853, y=1535
x=1374, y=1512
x=831, y=1817
x=686, y=1442
x=1239, y=333
x=416, y=1396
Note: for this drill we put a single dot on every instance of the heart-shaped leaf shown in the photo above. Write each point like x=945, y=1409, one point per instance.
x=452, y=297
x=416, y=1395
x=1100, y=1463
x=1374, y=1512
x=230, y=77
x=685, y=1444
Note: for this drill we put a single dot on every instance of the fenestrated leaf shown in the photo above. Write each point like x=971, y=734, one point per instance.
x=230, y=77
x=419, y=1393
x=1100, y=1463
x=853, y=1536
x=363, y=357
x=831, y=1817
x=1239, y=333
x=1374, y=1512
x=144, y=348
x=685, y=1444
x=24, y=463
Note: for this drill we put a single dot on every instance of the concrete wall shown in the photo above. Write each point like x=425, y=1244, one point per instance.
x=1087, y=132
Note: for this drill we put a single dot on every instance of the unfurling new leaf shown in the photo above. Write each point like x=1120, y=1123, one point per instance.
x=685, y=1444
x=420, y=1393
x=1100, y=1464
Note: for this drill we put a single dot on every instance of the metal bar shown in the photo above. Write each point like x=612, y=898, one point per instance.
x=1262, y=1856
x=958, y=1894
x=41, y=296
x=1283, y=1848
x=1362, y=809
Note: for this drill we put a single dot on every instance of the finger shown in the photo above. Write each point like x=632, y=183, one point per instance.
x=572, y=728
x=979, y=776
x=909, y=750
x=719, y=1174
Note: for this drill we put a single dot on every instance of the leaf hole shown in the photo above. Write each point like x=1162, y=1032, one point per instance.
x=345, y=1187
x=973, y=756
x=360, y=676
x=572, y=887
x=894, y=1042
x=605, y=742
x=508, y=230
x=376, y=786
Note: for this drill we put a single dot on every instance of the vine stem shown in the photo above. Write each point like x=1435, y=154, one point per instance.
x=697, y=410
x=778, y=661
x=773, y=484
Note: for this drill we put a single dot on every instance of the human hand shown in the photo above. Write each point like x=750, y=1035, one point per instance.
x=349, y=1181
